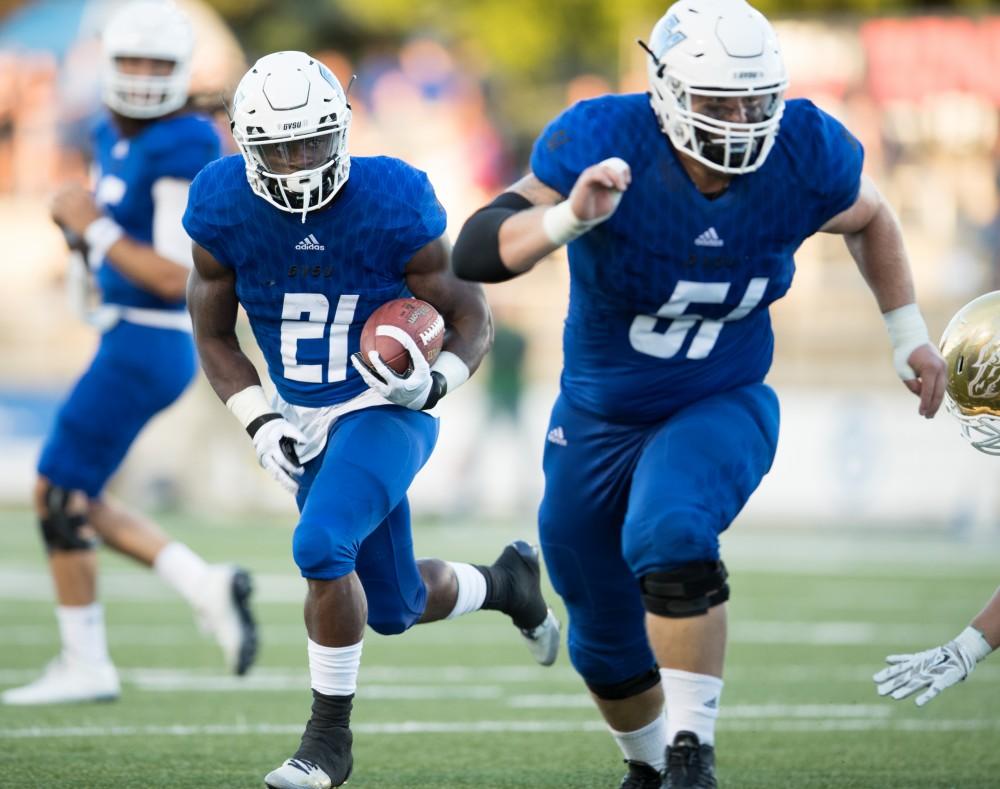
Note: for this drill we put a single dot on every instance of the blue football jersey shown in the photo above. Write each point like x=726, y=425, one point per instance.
x=127, y=168
x=669, y=297
x=308, y=287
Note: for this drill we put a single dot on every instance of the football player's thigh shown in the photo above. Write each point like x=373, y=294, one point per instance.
x=388, y=571
x=695, y=475
x=587, y=473
x=370, y=460
x=136, y=373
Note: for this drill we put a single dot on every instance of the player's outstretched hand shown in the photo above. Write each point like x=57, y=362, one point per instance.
x=933, y=669
x=932, y=375
x=409, y=390
x=599, y=189
x=278, y=443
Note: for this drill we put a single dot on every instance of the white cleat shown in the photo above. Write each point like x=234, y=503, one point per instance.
x=298, y=774
x=543, y=641
x=66, y=681
x=224, y=613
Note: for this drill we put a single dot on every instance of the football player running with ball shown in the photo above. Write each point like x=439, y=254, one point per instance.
x=682, y=210
x=129, y=232
x=311, y=242
x=971, y=349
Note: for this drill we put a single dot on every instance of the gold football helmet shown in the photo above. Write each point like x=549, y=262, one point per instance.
x=971, y=348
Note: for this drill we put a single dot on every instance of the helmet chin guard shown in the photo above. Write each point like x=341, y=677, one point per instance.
x=717, y=83
x=290, y=121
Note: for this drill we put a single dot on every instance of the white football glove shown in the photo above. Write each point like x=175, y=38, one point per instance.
x=935, y=669
x=410, y=390
x=278, y=443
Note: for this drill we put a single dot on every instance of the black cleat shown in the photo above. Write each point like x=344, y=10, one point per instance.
x=324, y=758
x=513, y=586
x=690, y=765
x=641, y=776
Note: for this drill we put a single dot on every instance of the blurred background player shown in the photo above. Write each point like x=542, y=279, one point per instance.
x=310, y=241
x=129, y=234
x=971, y=349
x=664, y=426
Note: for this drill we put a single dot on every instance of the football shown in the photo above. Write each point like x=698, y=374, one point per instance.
x=417, y=318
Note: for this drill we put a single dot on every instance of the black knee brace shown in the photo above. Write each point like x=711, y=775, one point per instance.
x=628, y=688
x=61, y=528
x=687, y=591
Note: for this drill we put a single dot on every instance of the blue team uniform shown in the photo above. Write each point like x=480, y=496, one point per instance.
x=143, y=362
x=664, y=427
x=308, y=288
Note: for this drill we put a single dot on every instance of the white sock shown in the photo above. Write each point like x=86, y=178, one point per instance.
x=692, y=703
x=333, y=671
x=81, y=629
x=471, y=589
x=647, y=745
x=182, y=568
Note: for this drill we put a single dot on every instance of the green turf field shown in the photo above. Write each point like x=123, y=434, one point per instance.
x=459, y=704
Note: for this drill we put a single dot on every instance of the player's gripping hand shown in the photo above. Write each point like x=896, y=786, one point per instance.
x=930, y=375
x=277, y=443
x=598, y=191
x=410, y=390
x=933, y=669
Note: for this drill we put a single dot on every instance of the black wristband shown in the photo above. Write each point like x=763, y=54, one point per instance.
x=439, y=388
x=476, y=255
x=260, y=421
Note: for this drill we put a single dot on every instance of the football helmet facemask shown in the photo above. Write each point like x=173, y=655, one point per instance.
x=971, y=349
x=150, y=30
x=291, y=118
x=717, y=82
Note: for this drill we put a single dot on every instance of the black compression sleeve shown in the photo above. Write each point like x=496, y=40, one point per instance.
x=476, y=255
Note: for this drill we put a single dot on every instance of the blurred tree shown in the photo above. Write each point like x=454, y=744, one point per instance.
x=526, y=50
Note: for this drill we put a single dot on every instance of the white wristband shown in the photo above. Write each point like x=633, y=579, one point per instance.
x=249, y=404
x=561, y=225
x=454, y=370
x=974, y=643
x=101, y=235
x=907, y=332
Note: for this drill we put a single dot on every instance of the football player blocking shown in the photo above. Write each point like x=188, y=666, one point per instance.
x=130, y=240
x=345, y=441
x=971, y=349
x=682, y=210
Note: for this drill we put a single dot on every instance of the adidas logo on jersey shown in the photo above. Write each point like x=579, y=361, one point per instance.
x=556, y=436
x=310, y=242
x=709, y=239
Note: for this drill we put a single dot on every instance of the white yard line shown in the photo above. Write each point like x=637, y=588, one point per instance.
x=837, y=633
x=265, y=678
x=490, y=726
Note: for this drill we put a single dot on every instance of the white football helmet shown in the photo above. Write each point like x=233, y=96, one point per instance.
x=290, y=120
x=717, y=82
x=154, y=29
x=971, y=349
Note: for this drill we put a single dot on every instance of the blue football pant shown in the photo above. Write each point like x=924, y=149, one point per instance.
x=136, y=373
x=622, y=501
x=354, y=514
